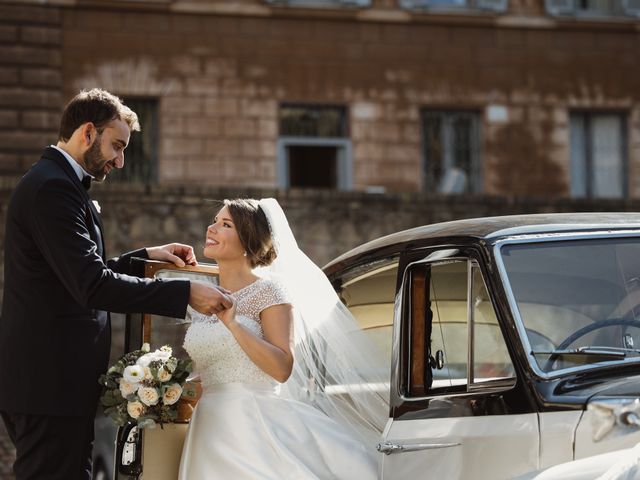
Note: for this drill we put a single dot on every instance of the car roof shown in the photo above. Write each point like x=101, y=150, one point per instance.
x=491, y=228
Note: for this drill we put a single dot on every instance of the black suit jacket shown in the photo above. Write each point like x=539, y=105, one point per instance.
x=58, y=286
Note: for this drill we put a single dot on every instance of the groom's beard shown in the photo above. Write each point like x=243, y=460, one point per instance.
x=95, y=162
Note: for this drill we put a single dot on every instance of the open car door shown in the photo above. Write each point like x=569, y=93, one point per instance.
x=452, y=376
x=154, y=454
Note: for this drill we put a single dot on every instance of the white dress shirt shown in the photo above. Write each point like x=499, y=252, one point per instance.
x=81, y=172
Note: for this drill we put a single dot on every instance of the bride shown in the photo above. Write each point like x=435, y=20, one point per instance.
x=291, y=385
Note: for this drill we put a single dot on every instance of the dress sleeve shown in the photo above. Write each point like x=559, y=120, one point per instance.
x=273, y=293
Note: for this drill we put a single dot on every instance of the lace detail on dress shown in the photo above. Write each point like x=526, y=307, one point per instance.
x=218, y=357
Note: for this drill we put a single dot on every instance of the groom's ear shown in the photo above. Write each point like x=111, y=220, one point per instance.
x=87, y=133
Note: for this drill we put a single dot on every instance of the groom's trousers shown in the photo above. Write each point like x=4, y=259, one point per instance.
x=50, y=447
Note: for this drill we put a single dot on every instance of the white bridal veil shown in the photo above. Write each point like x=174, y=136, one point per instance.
x=337, y=368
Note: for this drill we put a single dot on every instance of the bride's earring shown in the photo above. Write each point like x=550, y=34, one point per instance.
x=244, y=254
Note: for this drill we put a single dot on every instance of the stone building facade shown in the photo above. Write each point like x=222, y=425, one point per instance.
x=497, y=97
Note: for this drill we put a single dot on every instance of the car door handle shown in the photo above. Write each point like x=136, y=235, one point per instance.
x=388, y=448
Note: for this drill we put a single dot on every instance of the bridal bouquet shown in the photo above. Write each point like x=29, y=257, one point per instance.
x=144, y=387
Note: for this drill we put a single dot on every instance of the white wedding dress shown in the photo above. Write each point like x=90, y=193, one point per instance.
x=241, y=428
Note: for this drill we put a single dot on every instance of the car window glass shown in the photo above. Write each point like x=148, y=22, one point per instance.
x=578, y=300
x=449, y=332
x=171, y=331
x=370, y=297
x=491, y=360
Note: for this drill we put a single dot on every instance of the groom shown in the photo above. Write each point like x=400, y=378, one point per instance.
x=55, y=329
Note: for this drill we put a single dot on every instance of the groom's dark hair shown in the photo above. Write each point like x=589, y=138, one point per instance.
x=98, y=107
x=253, y=230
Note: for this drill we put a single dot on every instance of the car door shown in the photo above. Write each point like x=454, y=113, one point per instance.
x=455, y=412
x=154, y=454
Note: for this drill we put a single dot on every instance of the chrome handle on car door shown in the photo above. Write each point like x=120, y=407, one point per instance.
x=388, y=448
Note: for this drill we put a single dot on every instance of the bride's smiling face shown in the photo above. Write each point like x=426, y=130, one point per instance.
x=223, y=242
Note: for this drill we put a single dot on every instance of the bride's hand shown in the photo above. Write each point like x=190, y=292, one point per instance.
x=228, y=315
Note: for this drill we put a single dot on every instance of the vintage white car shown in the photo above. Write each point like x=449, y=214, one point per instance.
x=499, y=334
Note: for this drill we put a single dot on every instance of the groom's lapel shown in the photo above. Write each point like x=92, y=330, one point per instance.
x=98, y=223
x=53, y=154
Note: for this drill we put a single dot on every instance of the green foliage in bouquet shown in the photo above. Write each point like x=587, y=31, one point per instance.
x=144, y=387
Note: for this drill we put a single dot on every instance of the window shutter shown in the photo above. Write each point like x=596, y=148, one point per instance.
x=631, y=7
x=560, y=7
x=494, y=5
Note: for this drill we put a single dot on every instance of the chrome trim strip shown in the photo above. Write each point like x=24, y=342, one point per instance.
x=513, y=304
x=388, y=447
x=470, y=323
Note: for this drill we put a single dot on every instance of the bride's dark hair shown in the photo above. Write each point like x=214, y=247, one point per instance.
x=253, y=229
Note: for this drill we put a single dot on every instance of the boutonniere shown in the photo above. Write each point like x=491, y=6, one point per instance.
x=96, y=204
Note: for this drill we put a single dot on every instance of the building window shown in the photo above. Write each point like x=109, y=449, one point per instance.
x=314, y=150
x=593, y=8
x=496, y=6
x=451, y=151
x=141, y=155
x=598, y=158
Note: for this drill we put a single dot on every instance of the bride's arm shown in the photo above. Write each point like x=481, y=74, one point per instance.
x=273, y=354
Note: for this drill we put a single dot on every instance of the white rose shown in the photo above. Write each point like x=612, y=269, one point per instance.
x=158, y=355
x=163, y=375
x=172, y=394
x=148, y=395
x=145, y=347
x=133, y=373
x=147, y=373
x=135, y=409
x=127, y=388
x=145, y=360
x=163, y=355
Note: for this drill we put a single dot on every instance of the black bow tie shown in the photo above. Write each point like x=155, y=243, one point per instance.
x=86, y=182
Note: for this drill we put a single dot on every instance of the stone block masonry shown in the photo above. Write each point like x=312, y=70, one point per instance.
x=30, y=82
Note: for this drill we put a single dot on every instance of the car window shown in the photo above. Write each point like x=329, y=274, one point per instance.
x=578, y=300
x=171, y=331
x=449, y=332
x=369, y=294
x=456, y=312
x=491, y=360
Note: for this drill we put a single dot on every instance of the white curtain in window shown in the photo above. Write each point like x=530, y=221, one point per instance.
x=608, y=164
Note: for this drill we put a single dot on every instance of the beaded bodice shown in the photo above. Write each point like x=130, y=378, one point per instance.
x=217, y=356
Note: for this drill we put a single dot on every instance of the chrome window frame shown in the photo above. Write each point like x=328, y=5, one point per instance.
x=436, y=256
x=513, y=304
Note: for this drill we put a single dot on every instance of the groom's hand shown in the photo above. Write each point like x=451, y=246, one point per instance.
x=208, y=299
x=176, y=253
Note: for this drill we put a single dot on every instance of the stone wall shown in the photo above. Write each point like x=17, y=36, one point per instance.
x=325, y=223
x=30, y=82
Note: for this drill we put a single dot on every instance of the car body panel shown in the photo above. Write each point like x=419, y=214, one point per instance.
x=557, y=432
x=471, y=447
